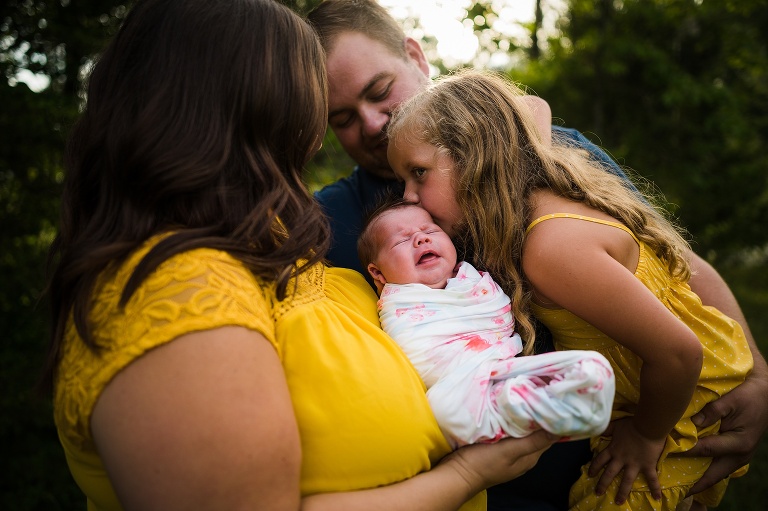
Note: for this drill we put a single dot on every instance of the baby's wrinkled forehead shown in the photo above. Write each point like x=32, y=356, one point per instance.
x=401, y=218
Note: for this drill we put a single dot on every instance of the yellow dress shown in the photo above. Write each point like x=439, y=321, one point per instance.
x=362, y=412
x=726, y=363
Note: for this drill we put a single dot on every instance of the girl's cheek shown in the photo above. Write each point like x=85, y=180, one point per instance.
x=451, y=227
x=458, y=214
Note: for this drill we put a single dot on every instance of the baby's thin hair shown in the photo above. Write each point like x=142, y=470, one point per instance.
x=366, y=242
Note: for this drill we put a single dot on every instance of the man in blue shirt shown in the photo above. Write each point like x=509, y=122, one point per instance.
x=372, y=67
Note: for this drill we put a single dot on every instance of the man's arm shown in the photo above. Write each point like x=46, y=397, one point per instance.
x=542, y=116
x=743, y=411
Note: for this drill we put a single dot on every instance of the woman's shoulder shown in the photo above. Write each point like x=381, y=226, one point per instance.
x=197, y=268
x=196, y=289
x=342, y=284
x=192, y=291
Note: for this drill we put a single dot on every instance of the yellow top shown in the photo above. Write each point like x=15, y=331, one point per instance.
x=327, y=336
x=727, y=359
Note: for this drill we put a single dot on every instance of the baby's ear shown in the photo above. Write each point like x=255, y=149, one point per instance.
x=378, y=278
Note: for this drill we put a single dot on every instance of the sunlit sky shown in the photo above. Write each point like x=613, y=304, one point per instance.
x=444, y=21
x=457, y=43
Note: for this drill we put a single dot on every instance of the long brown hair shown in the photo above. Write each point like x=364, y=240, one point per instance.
x=480, y=119
x=200, y=116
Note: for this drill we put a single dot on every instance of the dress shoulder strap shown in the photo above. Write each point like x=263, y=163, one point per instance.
x=581, y=217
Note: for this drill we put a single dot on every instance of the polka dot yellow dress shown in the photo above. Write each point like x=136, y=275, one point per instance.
x=726, y=362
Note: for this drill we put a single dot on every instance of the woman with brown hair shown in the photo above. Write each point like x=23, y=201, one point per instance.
x=203, y=356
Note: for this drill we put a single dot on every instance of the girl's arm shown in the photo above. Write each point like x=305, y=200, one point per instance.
x=587, y=268
x=206, y=422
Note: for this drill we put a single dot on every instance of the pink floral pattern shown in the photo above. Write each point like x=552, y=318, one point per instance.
x=461, y=340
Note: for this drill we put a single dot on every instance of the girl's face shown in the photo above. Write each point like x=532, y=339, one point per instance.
x=430, y=179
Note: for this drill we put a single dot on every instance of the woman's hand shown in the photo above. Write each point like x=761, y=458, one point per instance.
x=483, y=465
x=632, y=453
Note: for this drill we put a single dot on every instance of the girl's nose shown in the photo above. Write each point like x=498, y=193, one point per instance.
x=410, y=195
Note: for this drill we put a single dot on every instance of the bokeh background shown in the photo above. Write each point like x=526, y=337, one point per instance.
x=675, y=90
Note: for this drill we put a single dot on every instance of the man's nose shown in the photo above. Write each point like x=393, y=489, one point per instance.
x=374, y=120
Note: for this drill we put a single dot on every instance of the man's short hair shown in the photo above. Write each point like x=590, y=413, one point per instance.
x=334, y=17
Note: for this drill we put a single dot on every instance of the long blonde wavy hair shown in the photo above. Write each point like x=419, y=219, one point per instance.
x=480, y=119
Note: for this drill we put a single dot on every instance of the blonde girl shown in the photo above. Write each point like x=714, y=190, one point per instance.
x=583, y=252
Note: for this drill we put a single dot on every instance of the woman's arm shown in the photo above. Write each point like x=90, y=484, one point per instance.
x=589, y=280
x=206, y=422
x=458, y=477
x=203, y=422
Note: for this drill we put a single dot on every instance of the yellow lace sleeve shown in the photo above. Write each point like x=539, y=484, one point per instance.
x=198, y=290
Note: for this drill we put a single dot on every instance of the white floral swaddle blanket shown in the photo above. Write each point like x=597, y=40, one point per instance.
x=462, y=342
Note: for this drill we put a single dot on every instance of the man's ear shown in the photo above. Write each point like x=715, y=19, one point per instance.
x=378, y=278
x=416, y=54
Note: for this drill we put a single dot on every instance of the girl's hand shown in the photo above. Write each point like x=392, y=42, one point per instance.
x=632, y=453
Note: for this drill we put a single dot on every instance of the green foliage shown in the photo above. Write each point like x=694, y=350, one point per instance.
x=329, y=164
x=54, y=38
x=30, y=173
x=301, y=6
x=678, y=91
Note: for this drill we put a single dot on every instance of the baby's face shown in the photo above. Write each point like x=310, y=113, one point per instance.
x=412, y=249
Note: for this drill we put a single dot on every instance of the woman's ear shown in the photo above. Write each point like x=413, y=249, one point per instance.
x=378, y=278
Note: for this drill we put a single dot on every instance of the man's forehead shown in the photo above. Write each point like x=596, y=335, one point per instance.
x=355, y=53
x=353, y=41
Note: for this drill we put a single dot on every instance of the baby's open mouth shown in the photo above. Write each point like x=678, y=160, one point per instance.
x=427, y=257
